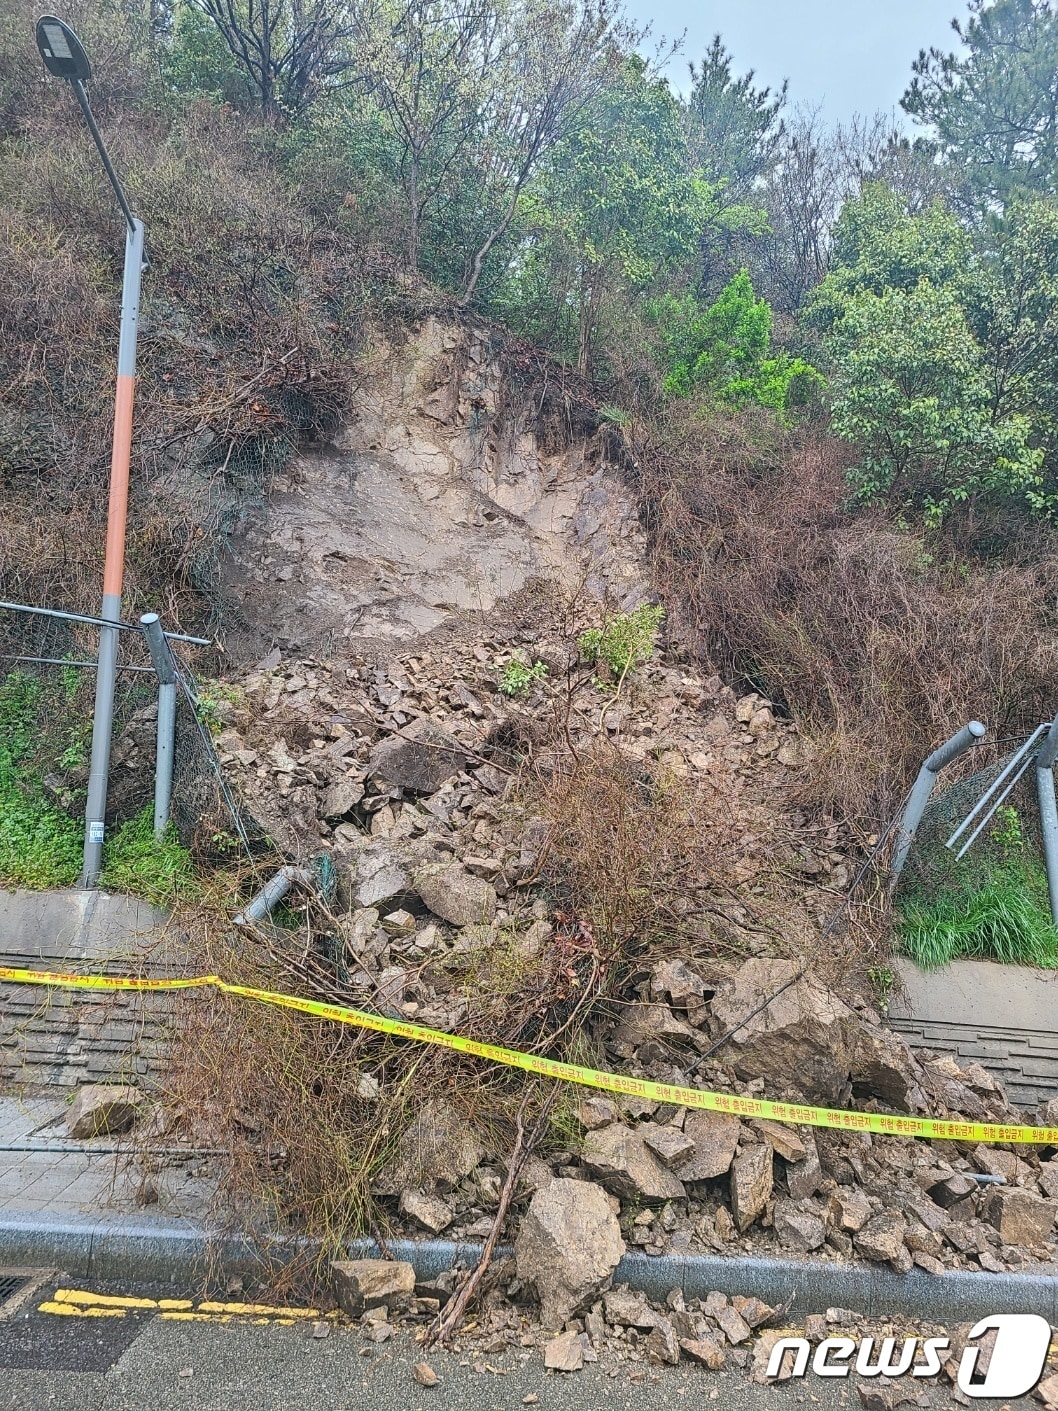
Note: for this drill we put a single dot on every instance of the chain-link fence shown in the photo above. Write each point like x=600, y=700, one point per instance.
x=47, y=696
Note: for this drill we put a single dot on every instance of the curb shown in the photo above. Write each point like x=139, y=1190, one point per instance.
x=175, y=1251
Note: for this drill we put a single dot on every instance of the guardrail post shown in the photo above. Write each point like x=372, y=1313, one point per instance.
x=1045, y=759
x=165, y=667
x=967, y=737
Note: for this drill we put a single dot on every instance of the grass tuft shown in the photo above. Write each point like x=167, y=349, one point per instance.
x=1007, y=918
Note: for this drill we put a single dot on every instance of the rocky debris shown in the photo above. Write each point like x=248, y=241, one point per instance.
x=436, y=1151
x=422, y=757
x=661, y=1343
x=624, y=1309
x=565, y=1353
x=429, y=1211
x=372, y=1283
x=425, y=1375
x=669, y=1144
x=884, y=1067
x=706, y=1350
x=100, y=1109
x=797, y=1228
x=800, y=1041
x=751, y=1184
x=849, y=1209
x=1021, y=1217
x=881, y=1239
x=455, y=894
x=568, y=1246
x=715, y=1136
x=622, y=1161
x=595, y=1112
x=783, y=1140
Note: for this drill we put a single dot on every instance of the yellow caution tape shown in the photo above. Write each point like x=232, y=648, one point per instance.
x=797, y=1114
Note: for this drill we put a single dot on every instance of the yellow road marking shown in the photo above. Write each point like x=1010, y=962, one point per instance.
x=76, y=1311
x=245, y=1309
x=103, y=1300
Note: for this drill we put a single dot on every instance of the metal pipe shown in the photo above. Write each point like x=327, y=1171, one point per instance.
x=967, y=737
x=1011, y=764
x=89, y=117
x=997, y=804
x=114, y=559
x=1049, y=812
x=100, y=622
x=65, y=661
x=165, y=667
x=272, y=893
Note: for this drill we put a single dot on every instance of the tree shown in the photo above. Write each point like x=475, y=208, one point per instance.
x=288, y=49
x=995, y=107
x=922, y=328
x=734, y=129
x=616, y=209
x=726, y=347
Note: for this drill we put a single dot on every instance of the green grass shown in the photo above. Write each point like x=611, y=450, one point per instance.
x=1005, y=917
x=162, y=873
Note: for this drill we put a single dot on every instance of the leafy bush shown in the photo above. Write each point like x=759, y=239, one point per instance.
x=625, y=642
x=727, y=348
x=518, y=676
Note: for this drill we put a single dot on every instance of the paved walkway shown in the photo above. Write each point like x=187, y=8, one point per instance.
x=43, y=1171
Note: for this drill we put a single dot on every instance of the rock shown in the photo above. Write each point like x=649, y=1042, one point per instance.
x=673, y=978
x=752, y=1310
x=715, y=1136
x=661, y=1344
x=1021, y=1217
x=643, y=1022
x=798, y=1229
x=564, y=1353
x=781, y=1139
x=429, y=1211
x=437, y=1150
x=621, y=1159
x=804, y=1178
x=595, y=1112
x=425, y=1375
x=372, y=1283
x=731, y=1323
x=849, y=1209
x=628, y=1310
x=379, y=1332
x=751, y=1184
x=669, y=1144
x=882, y=1394
x=102, y=1109
x=341, y=798
x=1047, y=1391
x=952, y=1190
x=884, y=1067
x=801, y=1041
x=422, y=757
x=568, y=1246
x=882, y=1239
x=1049, y=1177
x=378, y=872
x=398, y=923
x=706, y=1350
x=453, y=894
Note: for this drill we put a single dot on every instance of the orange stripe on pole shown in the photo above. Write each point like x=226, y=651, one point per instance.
x=117, y=512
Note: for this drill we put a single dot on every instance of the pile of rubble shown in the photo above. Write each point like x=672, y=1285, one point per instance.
x=403, y=775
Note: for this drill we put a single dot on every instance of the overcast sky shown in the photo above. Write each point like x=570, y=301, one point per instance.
x=847, y=56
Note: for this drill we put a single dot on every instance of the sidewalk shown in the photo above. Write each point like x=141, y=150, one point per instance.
x=44, y=1172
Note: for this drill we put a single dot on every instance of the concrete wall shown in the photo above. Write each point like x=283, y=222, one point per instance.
x=63, y=1037
x=1004, y=1016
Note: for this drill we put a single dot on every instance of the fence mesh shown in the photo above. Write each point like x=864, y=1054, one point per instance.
x=47, y=696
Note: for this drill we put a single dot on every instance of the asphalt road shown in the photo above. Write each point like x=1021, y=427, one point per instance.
x=140, y=1362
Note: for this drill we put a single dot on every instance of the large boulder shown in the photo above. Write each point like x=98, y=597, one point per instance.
x=1021, y=1217
x=622, y=1161
x=568, y=1246
x=800, y=1041
x=377, y=872
x=435, y=1152
x=884, y=1067
x=422, y=757
x=102, y=1109
x=455, y=894
x=752, y=1175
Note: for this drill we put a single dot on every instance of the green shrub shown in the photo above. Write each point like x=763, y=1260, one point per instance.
x=625, y=642
x=517, y=677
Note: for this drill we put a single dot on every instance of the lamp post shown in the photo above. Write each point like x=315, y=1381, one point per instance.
x=64, y=56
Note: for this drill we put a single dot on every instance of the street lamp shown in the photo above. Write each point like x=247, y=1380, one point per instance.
x=65, y=57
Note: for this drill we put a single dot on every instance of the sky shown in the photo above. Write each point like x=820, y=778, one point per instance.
x=844, y=56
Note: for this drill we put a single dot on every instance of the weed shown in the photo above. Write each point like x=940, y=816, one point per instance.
x=625, y=641
x=517, y=677
x=883, y=978
x=214, y=698
x=1006, y=831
